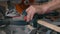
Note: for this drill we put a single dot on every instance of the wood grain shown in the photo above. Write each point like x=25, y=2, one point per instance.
x=51, y=26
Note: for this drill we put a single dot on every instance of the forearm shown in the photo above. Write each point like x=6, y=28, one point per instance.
x=54, y=4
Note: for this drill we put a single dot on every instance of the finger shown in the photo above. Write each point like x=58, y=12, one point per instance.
x=27, y=9
x=32, y=16
x=28, y=16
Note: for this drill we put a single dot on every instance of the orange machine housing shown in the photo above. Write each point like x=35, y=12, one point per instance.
x=20, y=7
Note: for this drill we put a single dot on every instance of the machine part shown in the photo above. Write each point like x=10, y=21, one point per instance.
x=41, y=1
x=2, y=32
x=16, y=29
x=43, y=30
x=48, y=32
x=11, y=11
x=21, y=19
x=33, y=31
x=1, y=16
x=2, y=12
x=16, y=1
x=3, y=0
x=22, y=6
x=3, y=24
x=53, y=32
x=26, y=2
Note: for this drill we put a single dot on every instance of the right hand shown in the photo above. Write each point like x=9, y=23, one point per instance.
x=35, y=9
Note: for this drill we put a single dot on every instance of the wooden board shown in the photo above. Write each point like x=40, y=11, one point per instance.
x=51, y=26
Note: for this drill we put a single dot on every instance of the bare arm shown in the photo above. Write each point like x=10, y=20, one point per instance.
x=41, y=9
x=54, y=4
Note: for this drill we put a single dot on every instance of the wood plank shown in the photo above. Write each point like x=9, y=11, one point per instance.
x=51, y=26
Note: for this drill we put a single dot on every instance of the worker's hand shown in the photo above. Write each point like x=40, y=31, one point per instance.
x=35, y=9
x=41, y=9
